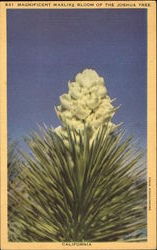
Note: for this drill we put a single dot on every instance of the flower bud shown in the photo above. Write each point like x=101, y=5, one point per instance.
x=93, y=102
x=74, y=91
x=65, y=101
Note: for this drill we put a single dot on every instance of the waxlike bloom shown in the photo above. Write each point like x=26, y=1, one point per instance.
x=87, y=104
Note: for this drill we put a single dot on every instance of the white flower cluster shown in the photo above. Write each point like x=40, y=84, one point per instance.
x=87, y=103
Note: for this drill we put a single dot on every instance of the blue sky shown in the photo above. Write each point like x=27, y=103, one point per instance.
x=47, y=48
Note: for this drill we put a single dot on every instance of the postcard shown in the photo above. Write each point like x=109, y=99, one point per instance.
x=78, y=125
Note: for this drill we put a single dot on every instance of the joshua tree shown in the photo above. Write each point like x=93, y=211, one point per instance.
x=83, y=181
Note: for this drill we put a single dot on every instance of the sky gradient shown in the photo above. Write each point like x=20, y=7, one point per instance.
x=47, y=48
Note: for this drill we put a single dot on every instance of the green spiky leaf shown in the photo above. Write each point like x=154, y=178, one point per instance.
x=85, y=192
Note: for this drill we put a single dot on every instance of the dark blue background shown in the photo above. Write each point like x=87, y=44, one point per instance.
x=46, y=48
